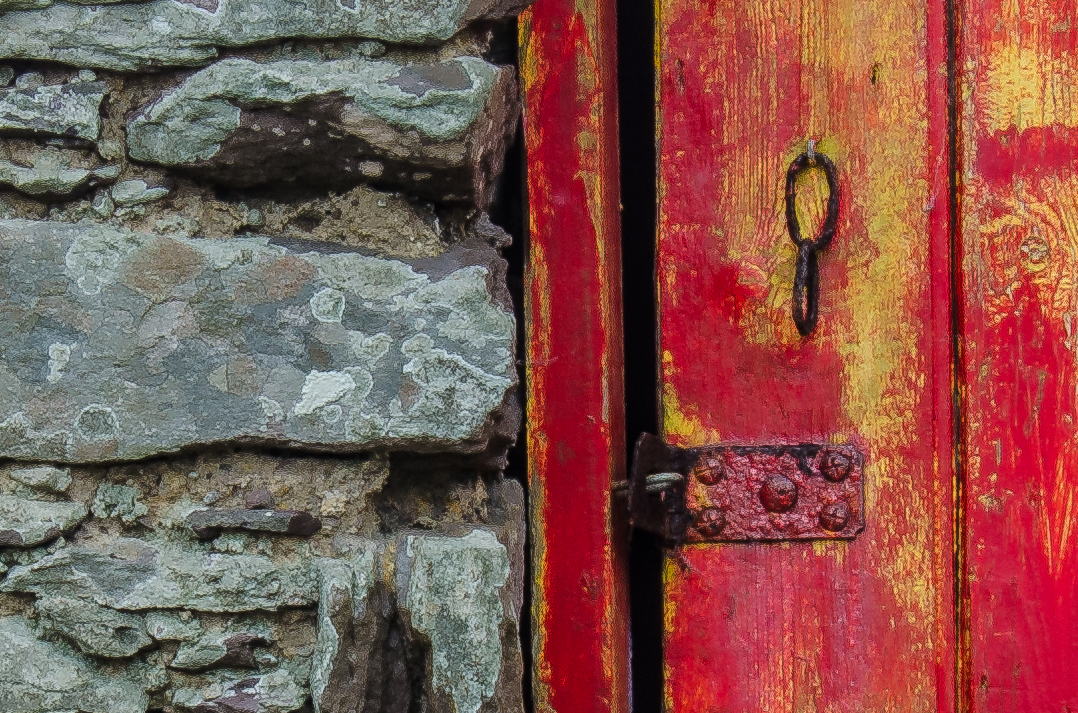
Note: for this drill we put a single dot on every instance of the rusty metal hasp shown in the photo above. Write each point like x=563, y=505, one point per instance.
x=806, y=491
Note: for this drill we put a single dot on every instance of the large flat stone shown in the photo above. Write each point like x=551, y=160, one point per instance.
x=135, y=575
x=67, y=110
x=121, y=346
x=438, y=129
x=45, y=478
x=44, y=677
x=25, y=522
x=95, y=629
x=139, y=36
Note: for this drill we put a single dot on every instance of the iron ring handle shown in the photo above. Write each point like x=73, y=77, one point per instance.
x=806, y=289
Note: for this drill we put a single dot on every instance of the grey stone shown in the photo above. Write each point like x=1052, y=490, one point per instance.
x=30, y=80
x=45, y=478
x=52, y=175
x=349, y=636
x=232, y=649
x=103, y=204
x=136, y=192
x=383, y=624
x=66, y=110
x=231, y=542
x=6, y=75
x=173, y=626
x=134, y=575
x=120, y=501
x=282, y=690
x=25, y=523
x=44, y=677
x=174, y=342
x=95, y=629
x=132, y=37
x=451, y=588
x=259, y=499
x=438, y=129
x=108, y=173
x=207, y=524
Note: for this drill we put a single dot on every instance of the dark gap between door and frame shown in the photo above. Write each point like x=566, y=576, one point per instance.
x=636, y=107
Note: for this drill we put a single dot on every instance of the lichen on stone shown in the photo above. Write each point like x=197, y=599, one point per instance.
x=38, y=676
x=130, y=574
x=52, y=175
x=45, y=478
x=181, y=342
x=424, y=125
x=129, y=36
x=451, y=589
x=25, y=522
x=120, y=501
x=136, y=192
x=52, y=110
x=95, y=629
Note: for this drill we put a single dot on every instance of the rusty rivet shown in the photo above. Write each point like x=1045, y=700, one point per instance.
x=710, y=471
x=836, y=466
x=779, y=493
x=834, y=517
x=710, y=522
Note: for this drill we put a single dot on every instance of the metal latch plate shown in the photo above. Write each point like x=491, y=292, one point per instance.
x=738, y=493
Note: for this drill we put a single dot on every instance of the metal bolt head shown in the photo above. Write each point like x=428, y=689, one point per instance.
x=836, y=466
x=710, y=522
x=710, y=470
x=779, y=493
x=834, y=517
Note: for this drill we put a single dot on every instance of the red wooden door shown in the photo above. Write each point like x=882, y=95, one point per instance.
x=946, y=349
x=861, y=625
x=1019, y=240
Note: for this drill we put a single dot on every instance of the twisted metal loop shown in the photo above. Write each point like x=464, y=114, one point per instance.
x=806, y=291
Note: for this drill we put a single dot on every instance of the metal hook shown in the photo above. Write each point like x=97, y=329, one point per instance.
x=806, y=289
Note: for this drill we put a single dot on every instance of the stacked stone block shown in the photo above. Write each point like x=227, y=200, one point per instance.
x=257, y=372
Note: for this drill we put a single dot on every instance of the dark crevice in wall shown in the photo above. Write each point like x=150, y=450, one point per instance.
x=510, y=211
x=636, y=105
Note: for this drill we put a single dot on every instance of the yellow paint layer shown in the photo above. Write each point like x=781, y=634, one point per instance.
x=1025, y=88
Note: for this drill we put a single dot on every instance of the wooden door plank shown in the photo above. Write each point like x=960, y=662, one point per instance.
x=860, y=626
x=575, y=403
x=1020, y=245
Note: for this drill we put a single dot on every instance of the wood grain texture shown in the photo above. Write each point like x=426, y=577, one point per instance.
x=1020, y=297
x=834, y=626
x=576, y=426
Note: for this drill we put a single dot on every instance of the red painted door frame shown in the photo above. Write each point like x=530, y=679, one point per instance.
x=575, y=403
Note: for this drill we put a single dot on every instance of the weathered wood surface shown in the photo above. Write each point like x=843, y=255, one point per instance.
x=575, y=403
x=832, y=626
x=1020, y=244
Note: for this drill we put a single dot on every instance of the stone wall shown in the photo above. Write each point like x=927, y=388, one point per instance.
x=257, y=360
